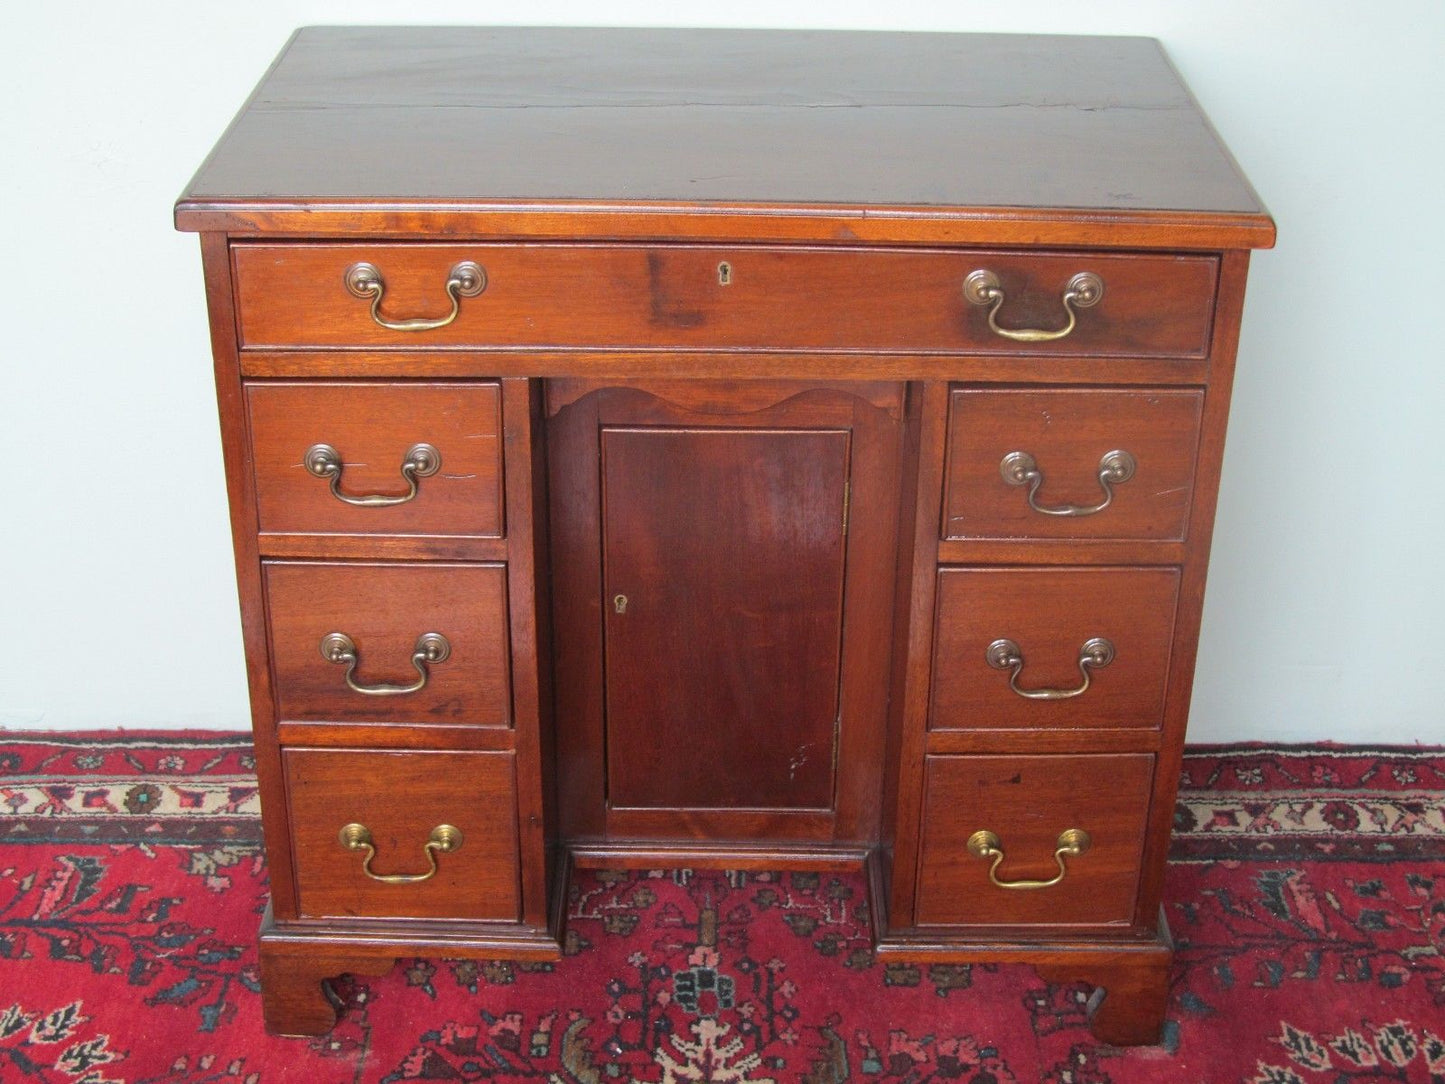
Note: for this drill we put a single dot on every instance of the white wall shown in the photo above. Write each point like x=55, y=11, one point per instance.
x=117, y=604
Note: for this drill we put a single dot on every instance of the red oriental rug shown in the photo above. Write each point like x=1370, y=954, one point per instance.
x=1306, y=893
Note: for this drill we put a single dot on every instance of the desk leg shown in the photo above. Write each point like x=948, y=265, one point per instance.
x=1127, y=1007
x=294, y=999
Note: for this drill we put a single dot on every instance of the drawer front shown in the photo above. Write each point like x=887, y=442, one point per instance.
x=384, y=610
x=1049, y=616
x=1027, y=803
x=1121, y=461
x=345, y=458
x=401, y=799
x=701, y=297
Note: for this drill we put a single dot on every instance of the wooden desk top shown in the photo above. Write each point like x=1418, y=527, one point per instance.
x=357, y=122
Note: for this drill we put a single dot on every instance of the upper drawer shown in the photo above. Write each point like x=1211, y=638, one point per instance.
x=709, y=297
x=1070, y=463
x=420, y=459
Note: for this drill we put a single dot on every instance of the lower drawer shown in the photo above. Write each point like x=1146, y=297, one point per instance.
x=1028, y=803
x=362, y=822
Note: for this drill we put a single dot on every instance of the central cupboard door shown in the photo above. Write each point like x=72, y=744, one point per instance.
x=722, y=554
x=722, y=559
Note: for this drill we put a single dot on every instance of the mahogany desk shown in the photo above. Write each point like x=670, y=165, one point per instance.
x=726, y=448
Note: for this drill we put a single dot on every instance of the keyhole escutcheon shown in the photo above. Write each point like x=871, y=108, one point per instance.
x=619, y=603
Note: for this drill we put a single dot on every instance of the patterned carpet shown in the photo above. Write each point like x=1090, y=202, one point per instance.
x=1306, y=892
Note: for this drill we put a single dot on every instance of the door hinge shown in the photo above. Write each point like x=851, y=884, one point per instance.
x=847, y=501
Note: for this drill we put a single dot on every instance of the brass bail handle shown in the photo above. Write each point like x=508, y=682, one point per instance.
x=444, y=838
x=1115, y=468
x=1072, y=842
x=1095, y=653
x=466, y=279
x=1083, y=291
x=420, y=461
x=431, y=647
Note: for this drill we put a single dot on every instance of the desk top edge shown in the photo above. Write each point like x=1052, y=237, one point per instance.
x=465, y=125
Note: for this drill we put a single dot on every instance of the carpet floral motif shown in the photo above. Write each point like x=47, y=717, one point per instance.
x=1306, y=893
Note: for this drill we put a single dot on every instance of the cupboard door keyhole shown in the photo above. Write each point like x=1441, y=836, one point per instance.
x=619, y=603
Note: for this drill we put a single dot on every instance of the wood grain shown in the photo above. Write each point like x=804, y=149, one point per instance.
x=321, y=734
x=735, y=365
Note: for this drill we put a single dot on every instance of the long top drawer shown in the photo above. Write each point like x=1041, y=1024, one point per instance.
x=711, y=297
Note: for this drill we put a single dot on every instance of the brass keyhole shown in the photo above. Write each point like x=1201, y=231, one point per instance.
x=619, y=604
x=724, y=273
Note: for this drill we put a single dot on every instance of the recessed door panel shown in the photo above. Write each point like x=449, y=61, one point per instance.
x=723, y=566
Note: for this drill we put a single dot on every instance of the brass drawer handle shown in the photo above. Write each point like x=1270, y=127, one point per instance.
x=466, y=279
x=1071, y=843
x=431, y=647
x=1115, y=468
x=420, y=461
x=1083, y=291
x=443, y=838
x=1005, y=655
